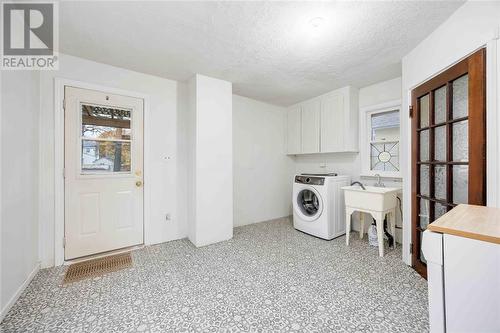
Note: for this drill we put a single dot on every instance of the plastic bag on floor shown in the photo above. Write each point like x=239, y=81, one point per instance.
x=372, y=235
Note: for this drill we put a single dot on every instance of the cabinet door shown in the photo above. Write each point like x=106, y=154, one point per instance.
x=294, y=130
x=310, y=127
x=332, y=123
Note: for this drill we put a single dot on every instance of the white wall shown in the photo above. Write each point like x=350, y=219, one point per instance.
x=350, y=163
x=472, y=26
x=212, y=193
x=161, y=146
x=19, y=183
x=262, y=185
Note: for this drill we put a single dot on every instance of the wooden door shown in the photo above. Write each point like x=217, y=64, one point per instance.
x=449, y=145
x=103, y=172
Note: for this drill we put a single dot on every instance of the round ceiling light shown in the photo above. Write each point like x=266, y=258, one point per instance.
x=316, y=22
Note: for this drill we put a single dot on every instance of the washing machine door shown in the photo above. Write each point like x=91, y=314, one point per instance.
x=308, y=204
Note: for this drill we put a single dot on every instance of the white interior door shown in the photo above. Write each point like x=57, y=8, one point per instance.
x=103, y=151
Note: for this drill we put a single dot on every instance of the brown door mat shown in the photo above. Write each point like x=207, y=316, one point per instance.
x=97, y=267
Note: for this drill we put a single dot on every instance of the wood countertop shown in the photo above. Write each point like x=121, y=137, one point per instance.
x=469, y=221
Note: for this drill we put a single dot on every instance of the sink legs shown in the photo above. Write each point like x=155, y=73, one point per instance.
x=379, y=221
x=348, y=213
x=361, y=225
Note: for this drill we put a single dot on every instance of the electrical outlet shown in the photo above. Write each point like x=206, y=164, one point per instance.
x=168, y=217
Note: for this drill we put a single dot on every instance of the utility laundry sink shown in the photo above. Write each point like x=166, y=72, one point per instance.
x=373, y=198
x=379, y=202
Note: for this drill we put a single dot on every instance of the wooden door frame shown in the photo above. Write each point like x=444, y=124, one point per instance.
x=59, y=191
x=475, y=66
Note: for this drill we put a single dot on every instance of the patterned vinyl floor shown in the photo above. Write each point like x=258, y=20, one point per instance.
x=269, y=277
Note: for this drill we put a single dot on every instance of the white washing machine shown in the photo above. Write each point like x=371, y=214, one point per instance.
x=318, y=204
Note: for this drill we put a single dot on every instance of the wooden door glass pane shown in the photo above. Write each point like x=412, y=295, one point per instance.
x=423, y=214
x=440, y=143
x=460, y=141
x=424, y=180
x=460, y=97
x=460, y=184
x=439, y=210
x=424, y=111
x=440, y=182
x=440, y=105
x=424, y=145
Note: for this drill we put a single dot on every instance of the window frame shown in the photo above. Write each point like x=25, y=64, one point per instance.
x=366, y=138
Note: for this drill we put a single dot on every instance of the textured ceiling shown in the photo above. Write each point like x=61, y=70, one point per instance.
x=267, y=49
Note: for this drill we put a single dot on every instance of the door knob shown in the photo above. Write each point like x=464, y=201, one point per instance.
x=138, y=183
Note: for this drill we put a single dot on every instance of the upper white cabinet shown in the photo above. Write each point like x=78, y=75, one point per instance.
x=332, y=123
x=328, y=123
x=310, y=127
x=294, y=129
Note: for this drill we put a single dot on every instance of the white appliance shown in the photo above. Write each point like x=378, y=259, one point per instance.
x=463, y=276
x=318, y=204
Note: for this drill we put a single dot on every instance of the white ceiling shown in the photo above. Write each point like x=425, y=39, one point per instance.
x=267, y=49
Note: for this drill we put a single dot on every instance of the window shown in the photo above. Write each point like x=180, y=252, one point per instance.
x=380, y=146
x=106, y=139
x=384, y=141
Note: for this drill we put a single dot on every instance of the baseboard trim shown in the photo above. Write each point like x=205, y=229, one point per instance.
x=19, y=292
x=289, y=217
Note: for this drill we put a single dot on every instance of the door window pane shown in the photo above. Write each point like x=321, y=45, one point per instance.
x=105, y=156
x=424, y=145
x=460, y=184
x=440, y=182
x=440, y=143
x=461, y=97
x=424, y=111
x=99, y=122
x=424, y=180
x=440, y=105
x=424, y=213
x=439, y=210
x=460, y=138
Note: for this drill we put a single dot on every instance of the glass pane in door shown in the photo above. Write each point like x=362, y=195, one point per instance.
x=439, y=210
x=440, y=182
x=100, y=122
x=424, y=180
x=461, y=97
x=424, y=111
x=440, y=105
x=460, y=141
x=424, y=213
x=440, y=143
x=105, y=156
x=424, y=145
x=460, y=184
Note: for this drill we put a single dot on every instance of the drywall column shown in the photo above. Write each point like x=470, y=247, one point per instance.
x=210, y=161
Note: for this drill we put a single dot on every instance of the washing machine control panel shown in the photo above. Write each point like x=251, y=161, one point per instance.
x=310, y=180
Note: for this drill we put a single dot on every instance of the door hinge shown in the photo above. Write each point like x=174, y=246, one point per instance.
x=64, y=242
x=411, y=248
x=410, y=111
x=64, y=104
x=64, y=173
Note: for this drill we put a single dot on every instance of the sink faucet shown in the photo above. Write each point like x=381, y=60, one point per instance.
x=379, y=181
x=358, y=183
